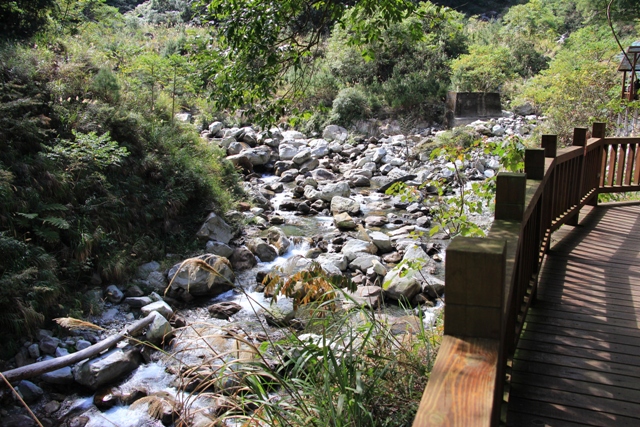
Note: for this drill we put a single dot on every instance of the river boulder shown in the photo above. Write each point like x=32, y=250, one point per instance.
x=215, y=228
x=198, y=281
x=108, y=367
x=262, y=249
x=341, y=204
x=278, y=239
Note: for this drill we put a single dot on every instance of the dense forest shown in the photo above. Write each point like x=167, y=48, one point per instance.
x=102, y=170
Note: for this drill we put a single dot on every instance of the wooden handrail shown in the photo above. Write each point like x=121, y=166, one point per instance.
x=491, y=282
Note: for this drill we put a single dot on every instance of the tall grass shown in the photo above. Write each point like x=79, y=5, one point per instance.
x=346, y=368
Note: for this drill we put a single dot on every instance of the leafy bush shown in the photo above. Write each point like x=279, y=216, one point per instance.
x=350, y=105
x=580, y=82
x=483, y=69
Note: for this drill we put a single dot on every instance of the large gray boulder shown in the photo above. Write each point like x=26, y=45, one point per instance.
x=278, y=239
x=322, y=174
x=363, y=262
x=293, y=135
x=218, y=248
x=287, y=151
x=198, y=281
x=355, y=247
x=365, y=296
x=159, y=306
x=295, y=264
x=399, y=285
x=338, y=260
x=160, y=331
x=341, y=204
x=335, y=133
x=145, y=269
x=262, y=249
x=257, y=156
x=108, y=367
x=215, y=228
x=62, y=376
x=243, y=259
x=328, y=192
x=382, y=241
x=302, y=156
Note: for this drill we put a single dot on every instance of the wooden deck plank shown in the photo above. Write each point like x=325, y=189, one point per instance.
x=585, y=387
x=578, y=359
x=551, y=338
x=595, y=354
x=576, y=400
x=550, y=410
x=577, y=362
x=563, y=372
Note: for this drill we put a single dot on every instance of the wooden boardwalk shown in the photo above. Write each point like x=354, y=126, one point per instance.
x=578, y=359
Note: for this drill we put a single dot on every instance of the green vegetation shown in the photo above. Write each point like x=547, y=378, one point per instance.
x=345, y=368
x=95, y=175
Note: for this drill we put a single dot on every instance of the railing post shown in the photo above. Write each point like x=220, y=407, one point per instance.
x=599, y=130
x=534, y=163
x=580, y=137
x=550, y=145
x=579, y=140
x=475, y=277
x=511, y=189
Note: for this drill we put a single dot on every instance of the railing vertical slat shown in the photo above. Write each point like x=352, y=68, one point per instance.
x=613, y=151
x=631, y=155
x=622, y=151
x=636, y=175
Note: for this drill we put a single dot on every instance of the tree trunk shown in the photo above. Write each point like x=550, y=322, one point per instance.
x=40, y=368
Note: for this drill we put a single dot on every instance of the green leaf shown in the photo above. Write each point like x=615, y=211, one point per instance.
x=28, y=215
x=57, y=222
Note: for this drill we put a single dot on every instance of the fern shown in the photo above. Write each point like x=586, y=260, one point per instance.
x=27, y=215
x=48, y=235
x=57, y=222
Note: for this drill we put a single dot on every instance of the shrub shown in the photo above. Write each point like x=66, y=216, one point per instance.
x=350, y=105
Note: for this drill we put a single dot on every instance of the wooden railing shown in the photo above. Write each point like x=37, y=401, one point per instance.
x=491, y=282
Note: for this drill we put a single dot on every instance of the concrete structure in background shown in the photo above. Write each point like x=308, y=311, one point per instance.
x=466, y=107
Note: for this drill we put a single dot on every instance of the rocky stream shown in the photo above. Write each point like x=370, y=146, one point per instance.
x=312, y=200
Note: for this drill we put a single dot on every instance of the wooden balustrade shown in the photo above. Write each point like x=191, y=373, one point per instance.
x=491, y=282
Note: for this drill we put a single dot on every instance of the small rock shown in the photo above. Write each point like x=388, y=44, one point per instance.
x=82, y=344
x=224, y=310
x=137, y=302
x=113, y=294
x=48, y=345
x=133, y=291
x=343, y=221
x=106, y=398
x=51, y=407
x=30, y=392
x=159, y=306
x=34, y=351
x=160, y=330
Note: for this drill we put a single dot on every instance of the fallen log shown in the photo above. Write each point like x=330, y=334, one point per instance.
x=43, y=367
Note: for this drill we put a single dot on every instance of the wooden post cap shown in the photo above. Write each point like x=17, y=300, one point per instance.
x=534, y=163
x=550, y=145
x=474, y=279
x=599, y=130
x=580, y=137
x=511, y=191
